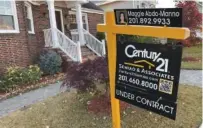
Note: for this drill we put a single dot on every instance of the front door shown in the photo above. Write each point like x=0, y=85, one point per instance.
x=59, y=22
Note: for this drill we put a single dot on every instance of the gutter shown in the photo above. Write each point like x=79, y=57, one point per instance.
x=83, y=1
x=107, y=2
x=33, y=2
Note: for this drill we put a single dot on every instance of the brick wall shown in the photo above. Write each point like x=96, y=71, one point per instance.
x=41, y=22
x=14, y=47
x=93, y=20
x=22, y=48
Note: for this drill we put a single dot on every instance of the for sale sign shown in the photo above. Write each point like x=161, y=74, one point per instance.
x=149, y=71
x=170, y=17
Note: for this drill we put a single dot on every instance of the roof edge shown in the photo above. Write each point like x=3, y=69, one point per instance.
x=107, y=2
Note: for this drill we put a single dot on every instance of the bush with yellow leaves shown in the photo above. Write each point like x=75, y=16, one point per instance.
x=17, y=76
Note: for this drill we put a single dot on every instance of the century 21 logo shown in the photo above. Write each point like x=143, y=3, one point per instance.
x=162, y=67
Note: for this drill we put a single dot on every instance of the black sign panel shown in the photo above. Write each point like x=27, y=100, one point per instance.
x=152, y=69
x=170, y=17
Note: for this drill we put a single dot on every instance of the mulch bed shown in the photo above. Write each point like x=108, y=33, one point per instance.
x=102, y=104
x=44, y=81
x=190, y=59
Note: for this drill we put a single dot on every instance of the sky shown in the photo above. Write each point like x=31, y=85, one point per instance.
x=165, y=4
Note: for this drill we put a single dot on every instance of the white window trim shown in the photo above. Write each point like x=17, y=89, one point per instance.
x=61, y=15
x=86, y=21
x=15, y=19
x=29, y=6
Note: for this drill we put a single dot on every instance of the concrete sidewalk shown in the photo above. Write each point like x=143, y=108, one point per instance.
x=20, y=101
x=191, y=77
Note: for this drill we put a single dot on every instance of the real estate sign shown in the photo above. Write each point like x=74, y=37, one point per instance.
x=147, y=75
x=170, y=17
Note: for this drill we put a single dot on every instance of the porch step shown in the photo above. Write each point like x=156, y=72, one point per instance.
x=87, y=54
x=86, y=51
x=64, y=56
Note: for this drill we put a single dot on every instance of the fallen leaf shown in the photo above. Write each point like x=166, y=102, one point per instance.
x=124, y=113
x=104, y=117
x=88, y=102
x=133, y=111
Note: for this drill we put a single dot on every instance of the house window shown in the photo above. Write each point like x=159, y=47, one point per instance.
x=29, y=17
x=73, y=21
x=8, y=17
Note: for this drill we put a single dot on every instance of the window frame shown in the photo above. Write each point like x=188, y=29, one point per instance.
x=29, y=9
x=15, y=19
x=86, y=21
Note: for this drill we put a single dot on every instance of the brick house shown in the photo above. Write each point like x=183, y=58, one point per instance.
x=26, y=27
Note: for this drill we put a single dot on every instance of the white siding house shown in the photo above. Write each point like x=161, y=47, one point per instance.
x=110, y=5
x=115, y=4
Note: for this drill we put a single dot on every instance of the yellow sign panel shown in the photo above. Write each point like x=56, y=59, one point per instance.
x=112, y=29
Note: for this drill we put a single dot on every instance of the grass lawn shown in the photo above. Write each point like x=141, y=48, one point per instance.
x=69, y=110
x=192, y=52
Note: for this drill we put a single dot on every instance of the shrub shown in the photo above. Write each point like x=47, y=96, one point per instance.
x=4, y=86
x=50, y=62
x=33, y=73
x=16, y=76
x=83, y=76
x=192, y=19
x=100, y=36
